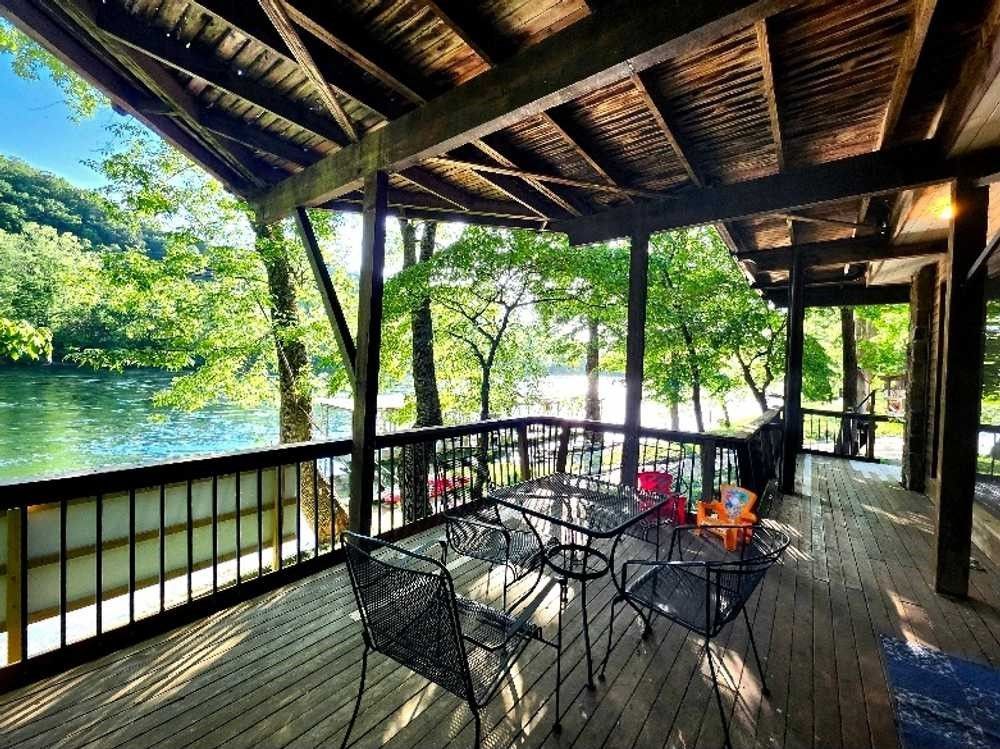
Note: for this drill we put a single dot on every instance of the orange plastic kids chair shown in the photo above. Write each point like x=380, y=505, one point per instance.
x=734, y=507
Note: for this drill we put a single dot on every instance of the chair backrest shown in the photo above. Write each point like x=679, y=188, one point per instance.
x=407, y=606
x=734, y=579
x=736, y=500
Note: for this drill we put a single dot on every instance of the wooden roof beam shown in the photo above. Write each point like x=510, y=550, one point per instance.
x=275, y=10
x=877, y=173
x=127, y=30
x=851, y=250
x=581, y=58
x=845, y=295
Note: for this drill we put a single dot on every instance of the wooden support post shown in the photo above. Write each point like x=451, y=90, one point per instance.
x=635, y=349
x=369, y=345
x=962, y=373
x=335, y=313
x=523, y=453
x=13, y=581
x=793, y=376
x=708, y=471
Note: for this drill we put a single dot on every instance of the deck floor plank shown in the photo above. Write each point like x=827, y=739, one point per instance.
x=282, y=670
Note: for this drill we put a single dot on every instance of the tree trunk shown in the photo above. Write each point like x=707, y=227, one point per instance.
x=675, y=416
x=294, y=387
x=416, y=459
x=592, y=409
x=295, y=410
x=699, y=419
x=484, y=394
x=424, y=372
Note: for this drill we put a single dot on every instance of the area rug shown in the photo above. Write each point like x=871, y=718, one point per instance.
x=941, y=701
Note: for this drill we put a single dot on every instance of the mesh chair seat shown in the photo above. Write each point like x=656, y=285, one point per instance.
x=682, y=594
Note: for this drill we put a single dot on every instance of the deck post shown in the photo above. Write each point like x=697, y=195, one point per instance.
x=369, y=344
x=523, y=453
x=635, y=349
x=962, y=379
x=792, y=442
x=918, y=364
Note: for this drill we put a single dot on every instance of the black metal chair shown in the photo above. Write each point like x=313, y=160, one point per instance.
x=478, y=531
x=701, y=587
x=410, y=612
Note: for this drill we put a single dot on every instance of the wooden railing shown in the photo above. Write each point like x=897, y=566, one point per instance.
x=92, y=562
x=989, y=451
x=844, y=433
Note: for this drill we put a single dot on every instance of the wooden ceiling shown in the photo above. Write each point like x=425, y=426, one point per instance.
x=257, y=90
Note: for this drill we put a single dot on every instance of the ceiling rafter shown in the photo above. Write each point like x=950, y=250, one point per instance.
x=909, y=56
x=251, y=20
x=658, y=108
x=773, y=112
x=130, y=32
x=468, y=26
x=275, y=10
x=573, y=135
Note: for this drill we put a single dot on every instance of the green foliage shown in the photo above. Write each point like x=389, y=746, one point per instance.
x=482, y=289
x=19, y=340
x=819, y=372
x=882, y=334
x=31, y=62
x=991, y=359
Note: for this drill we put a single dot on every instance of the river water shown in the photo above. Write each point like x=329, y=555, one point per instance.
x=57, y=420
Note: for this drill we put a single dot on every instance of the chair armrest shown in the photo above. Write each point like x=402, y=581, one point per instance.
x=479, y=528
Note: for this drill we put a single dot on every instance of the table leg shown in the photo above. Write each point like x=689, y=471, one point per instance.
x=586, y=621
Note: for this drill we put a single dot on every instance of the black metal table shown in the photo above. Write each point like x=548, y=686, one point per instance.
x=585, y=510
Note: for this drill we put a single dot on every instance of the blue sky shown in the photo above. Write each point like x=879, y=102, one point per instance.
x=35, y=126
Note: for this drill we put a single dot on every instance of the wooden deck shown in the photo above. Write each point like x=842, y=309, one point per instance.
x=283, y=670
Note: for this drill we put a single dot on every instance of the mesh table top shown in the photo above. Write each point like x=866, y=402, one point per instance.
x=587, y=505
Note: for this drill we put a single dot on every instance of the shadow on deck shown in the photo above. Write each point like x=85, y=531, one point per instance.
x=282, y=670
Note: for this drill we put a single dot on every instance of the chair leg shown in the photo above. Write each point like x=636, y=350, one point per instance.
x=479, y=728
x=760, y=666
x=718, y=694
x=505, y=571
x=357, y=703
x=489, y=574
x=562, y=593
x=611, y=629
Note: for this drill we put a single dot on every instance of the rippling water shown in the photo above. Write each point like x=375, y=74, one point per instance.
x=56, y=420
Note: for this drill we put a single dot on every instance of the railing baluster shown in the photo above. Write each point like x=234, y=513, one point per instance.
x=298, y=511
x=260, y=522
x=24, y=583
x=163, y=548
x=279, y=525
x=63, y=511
x=333, y=504
x=215, y=534
x=239, y=522
x=190, y=542
x=315, y=480
x=98, y=563
x=131, y=556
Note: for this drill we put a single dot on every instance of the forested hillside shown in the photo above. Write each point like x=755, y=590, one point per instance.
x=28, y=195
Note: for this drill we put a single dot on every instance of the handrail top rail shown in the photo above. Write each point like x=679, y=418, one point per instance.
x=851, y=415
x=172, y=471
